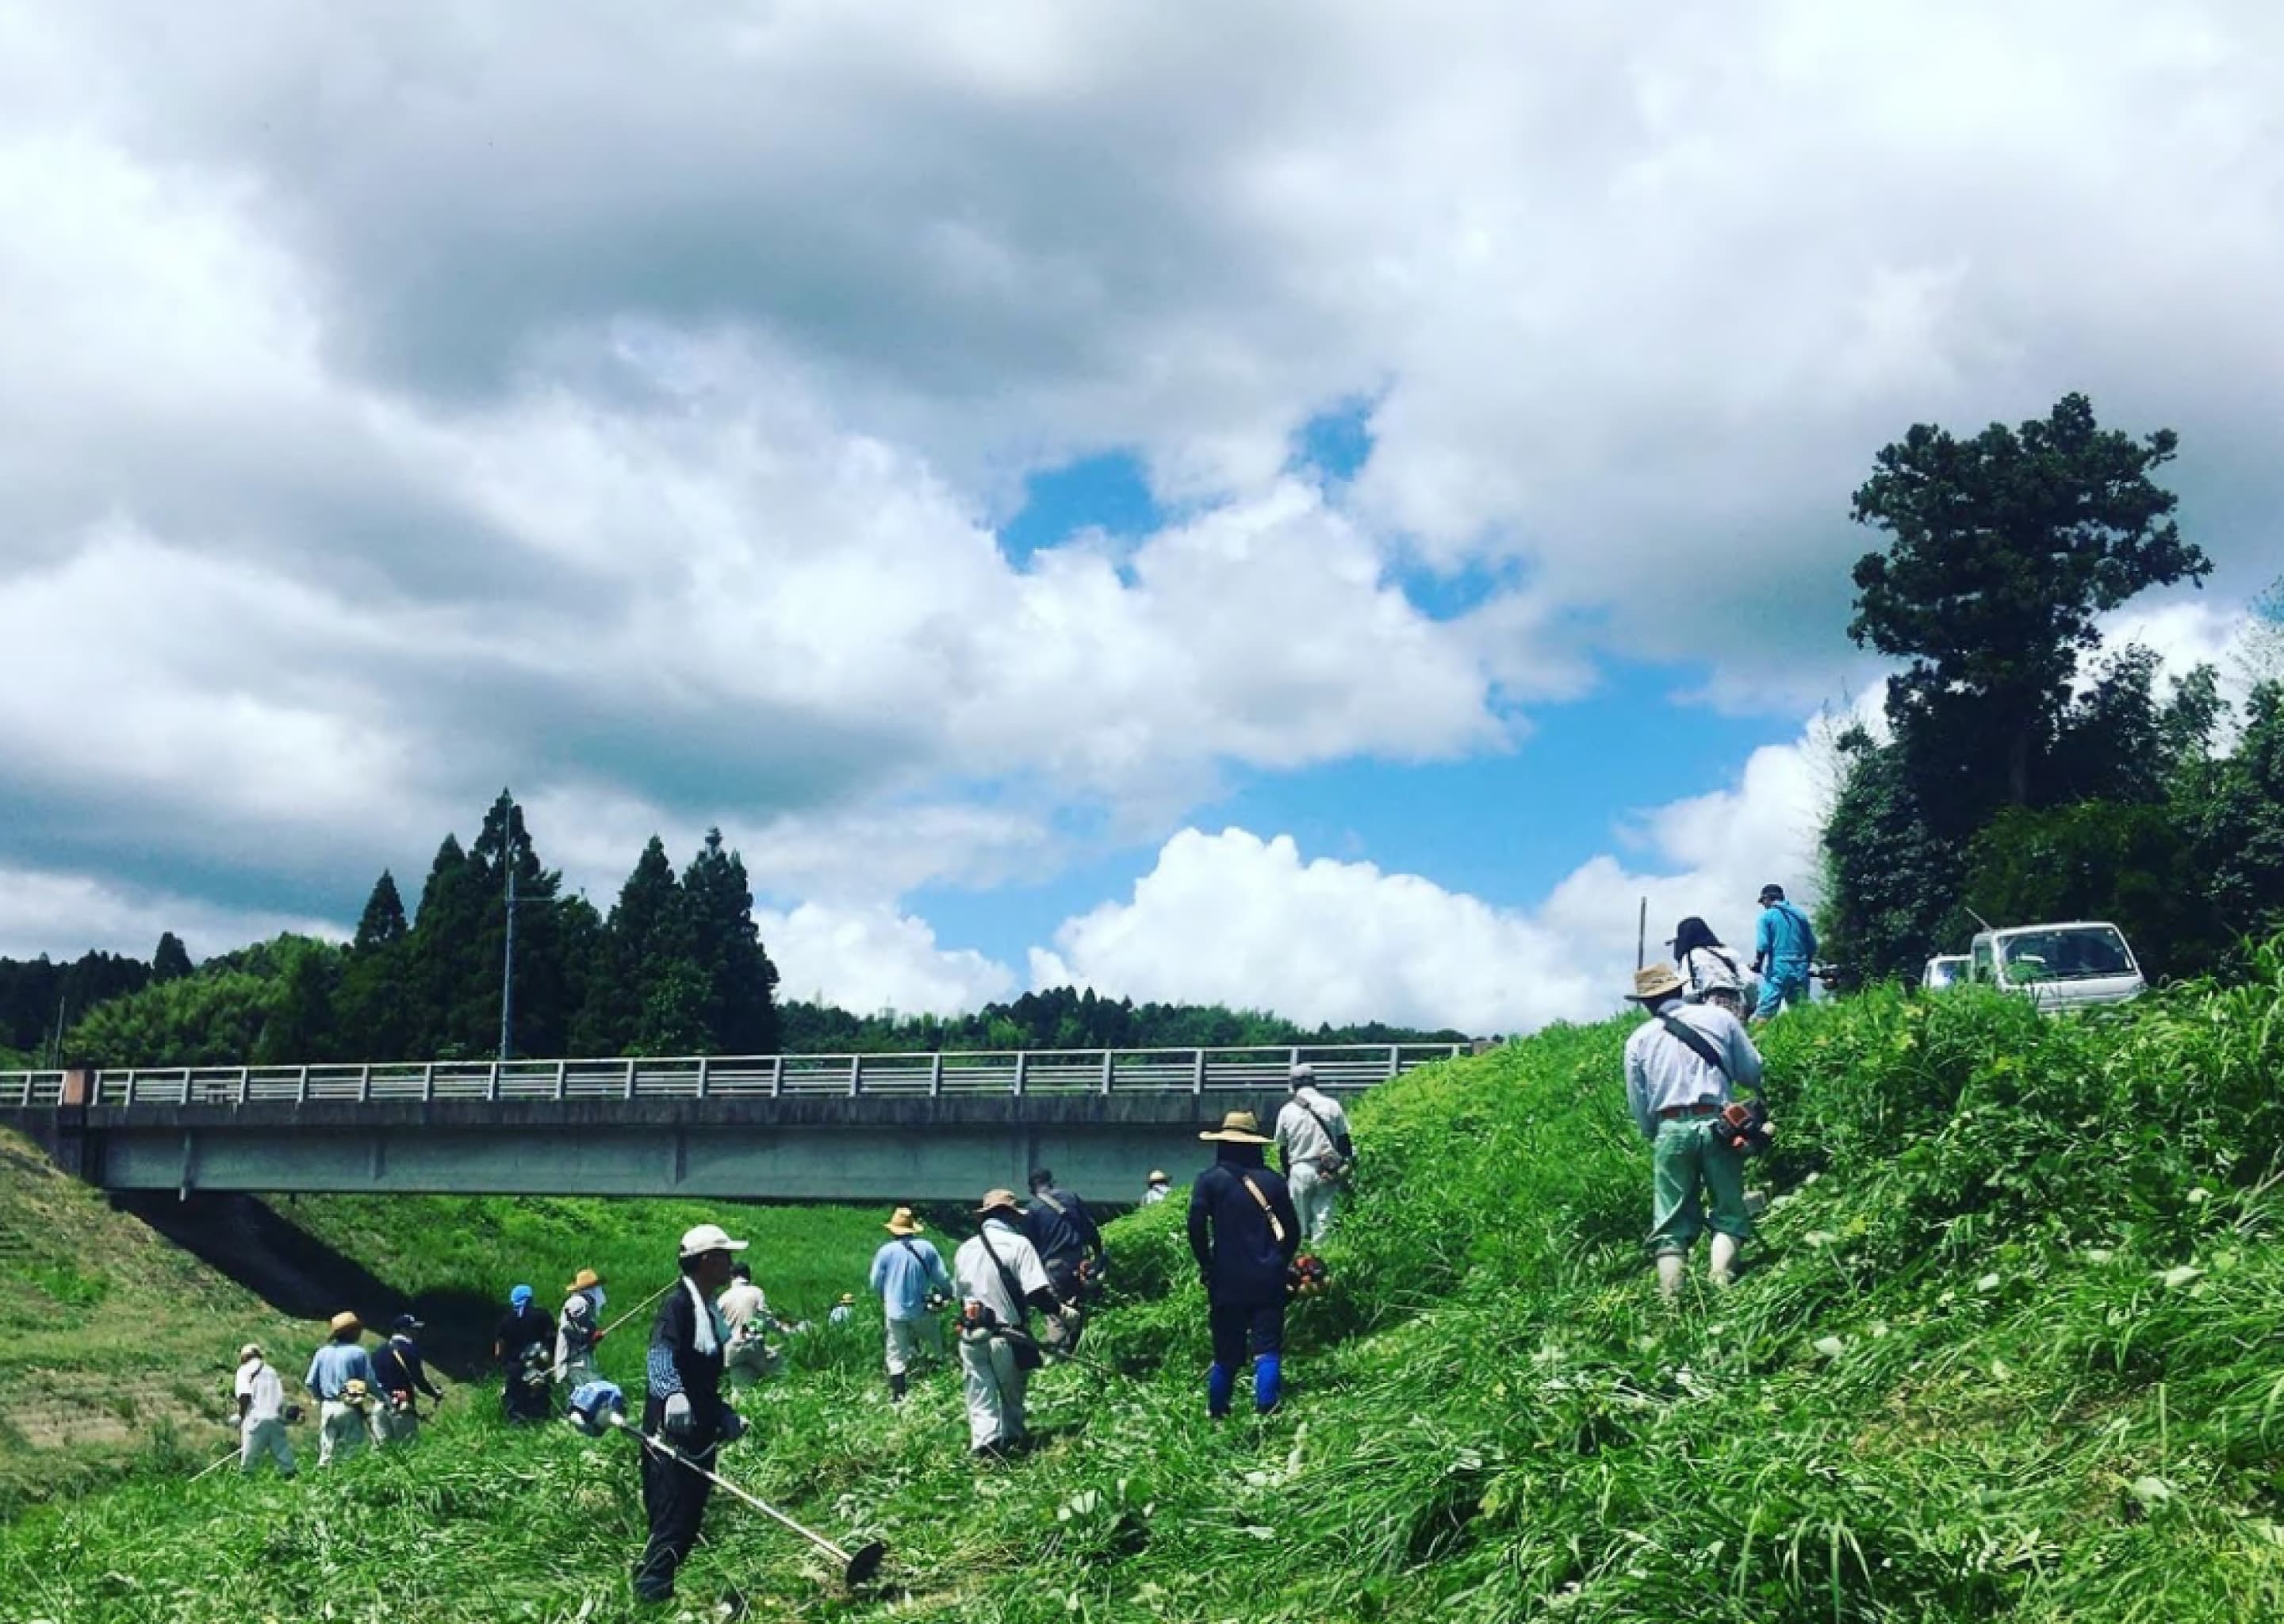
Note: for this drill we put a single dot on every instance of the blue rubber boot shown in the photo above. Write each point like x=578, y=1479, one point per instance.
x=1268, y=1382
x=1221, y=1384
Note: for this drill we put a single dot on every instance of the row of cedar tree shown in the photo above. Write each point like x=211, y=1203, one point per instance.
x=677, y=968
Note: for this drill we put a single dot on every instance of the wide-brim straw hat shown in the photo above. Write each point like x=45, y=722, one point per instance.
x=901, y=1222
x=251, y=1350
x=999, y=1200
x=344, y=1321
x=1657, y=981
x=586, y=1277
x=1238, y=1128
x=1158, y=1176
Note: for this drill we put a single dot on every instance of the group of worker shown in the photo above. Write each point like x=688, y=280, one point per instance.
x=1779, y=977
x=1245, y=1230
x=360, y=1394
x=1683, y=1065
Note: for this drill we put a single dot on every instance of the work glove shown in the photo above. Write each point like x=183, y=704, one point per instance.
x=677, y=1415
x=1069, y=1314
x=733, y=1427
x=597, y=1340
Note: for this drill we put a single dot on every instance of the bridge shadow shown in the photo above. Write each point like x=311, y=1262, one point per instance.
x=250, y=1242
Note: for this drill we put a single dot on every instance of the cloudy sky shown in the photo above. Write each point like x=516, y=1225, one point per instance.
x=1320, y=505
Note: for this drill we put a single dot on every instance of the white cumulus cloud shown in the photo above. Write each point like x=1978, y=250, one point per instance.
x=871, y=958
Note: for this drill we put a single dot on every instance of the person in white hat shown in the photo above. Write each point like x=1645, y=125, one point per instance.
x=687, y=1342
x=1158, y=1189
x=1679, y=1065
x=998, y=1278
x=1314, y=1146
x=907, y=1271
x=348, y=1392
x=261, y=1414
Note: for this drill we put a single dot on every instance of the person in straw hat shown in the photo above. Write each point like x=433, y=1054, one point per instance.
x=341, y=1380
x=998, y=1278
x=1243, y=1231
x=907, y=1271
x=260, y=1413
x=1679, y=1065
x=1158, y=1189
x=579, y=1330
x=684, y=1407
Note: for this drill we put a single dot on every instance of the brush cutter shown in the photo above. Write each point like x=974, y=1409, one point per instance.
x=215, y=1465
x=600, y=1407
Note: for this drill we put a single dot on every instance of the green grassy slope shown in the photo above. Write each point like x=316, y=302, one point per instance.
x=2014, y=1347
x=108, y=1336
x=116, y=1348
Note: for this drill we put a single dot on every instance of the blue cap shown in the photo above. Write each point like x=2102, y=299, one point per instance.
x=519, y=1296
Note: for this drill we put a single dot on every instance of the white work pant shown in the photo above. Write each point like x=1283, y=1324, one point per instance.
x=257, y=1438
x=912, y=1341
x=342, y=1428
x=995, y=1391
x=1312, y=1199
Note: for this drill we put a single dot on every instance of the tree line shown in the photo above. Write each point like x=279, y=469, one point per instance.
x=677, y=967
x=2025, y=774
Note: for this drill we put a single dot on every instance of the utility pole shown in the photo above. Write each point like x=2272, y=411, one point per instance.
x=507, y=969
x=1642, y=936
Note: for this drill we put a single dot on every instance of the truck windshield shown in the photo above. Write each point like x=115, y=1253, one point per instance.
x=2080, y=954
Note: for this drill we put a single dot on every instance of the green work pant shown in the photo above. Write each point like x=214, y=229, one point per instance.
x=1687, y=1167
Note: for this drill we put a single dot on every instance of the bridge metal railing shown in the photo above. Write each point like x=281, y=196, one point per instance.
x=1338, y=1069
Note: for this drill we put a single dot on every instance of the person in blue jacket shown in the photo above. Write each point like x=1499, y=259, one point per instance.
x=1243, y=1232
x=1783, y=948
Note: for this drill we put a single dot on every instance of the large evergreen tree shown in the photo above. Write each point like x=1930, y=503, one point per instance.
x=446, y=958
x=2005, y=550
x=741, y=1002
x=548, y=980
x=648, y=944
x=382, y=923
x=172, y=960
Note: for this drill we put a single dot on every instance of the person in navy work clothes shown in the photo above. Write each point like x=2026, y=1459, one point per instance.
x=684, y=1407
x=1243, y=1232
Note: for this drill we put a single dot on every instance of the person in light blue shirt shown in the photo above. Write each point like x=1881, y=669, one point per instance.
x=1783, y=948
x=907, y=1272
x=348, y=1392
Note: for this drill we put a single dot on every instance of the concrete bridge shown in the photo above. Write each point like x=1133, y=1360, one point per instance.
x=936, y=1127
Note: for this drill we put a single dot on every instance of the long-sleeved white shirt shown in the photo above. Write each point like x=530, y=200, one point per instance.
x=1300, y=1136
x=1663, y=1072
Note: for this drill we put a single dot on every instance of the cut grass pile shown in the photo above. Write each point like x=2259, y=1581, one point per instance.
x=2010, y=1348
